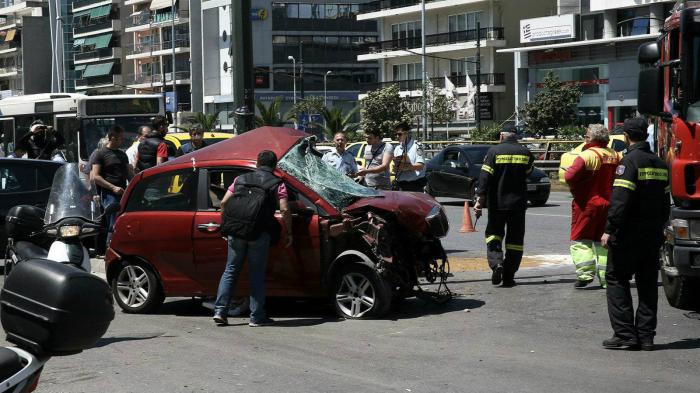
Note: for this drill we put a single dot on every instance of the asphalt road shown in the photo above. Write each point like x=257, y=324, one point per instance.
x=541, y=336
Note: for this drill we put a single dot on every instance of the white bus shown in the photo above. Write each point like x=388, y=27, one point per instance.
x=82, y=120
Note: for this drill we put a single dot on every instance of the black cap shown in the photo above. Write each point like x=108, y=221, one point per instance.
x=636, y=128
x=510, y=128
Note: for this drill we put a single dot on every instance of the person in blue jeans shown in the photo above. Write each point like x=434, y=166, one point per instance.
x=256, y=250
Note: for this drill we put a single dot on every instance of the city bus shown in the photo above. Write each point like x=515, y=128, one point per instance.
x=82, y=120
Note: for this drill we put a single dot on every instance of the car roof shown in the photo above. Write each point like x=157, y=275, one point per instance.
x=247, y=146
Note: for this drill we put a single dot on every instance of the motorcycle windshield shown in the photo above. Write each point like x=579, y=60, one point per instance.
x=72, y=197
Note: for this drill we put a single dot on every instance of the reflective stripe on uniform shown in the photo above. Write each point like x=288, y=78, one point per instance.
x=512, y=159
x=652, y=174
x=624, y=183
x=487, y=168
x=514, y=247
x=491, y=238
x=584, y=264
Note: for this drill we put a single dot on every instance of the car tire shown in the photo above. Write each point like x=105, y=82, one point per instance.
x=682, y=292
x=137, y=289
x=359, y=292
x=538, y=202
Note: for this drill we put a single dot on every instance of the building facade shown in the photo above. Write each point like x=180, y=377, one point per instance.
x=451, y=47
x=592, y=43
x=98, y=55
x=26, y=55
x=288, y=37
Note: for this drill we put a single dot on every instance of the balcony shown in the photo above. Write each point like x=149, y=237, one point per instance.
x=96, y=54
x=442, y=42
x=384, y=8
x=10, y=70
x=10, y=21
x=9, y=47
x=146, y=19
x=96, y=81
x=84, y=3
x=106, y=24
x=23, y=7
x=489, y=83
x=143, y=80
x=140, y=51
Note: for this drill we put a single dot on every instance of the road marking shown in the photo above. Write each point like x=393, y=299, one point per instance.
x=559, y=201
x=549, y=215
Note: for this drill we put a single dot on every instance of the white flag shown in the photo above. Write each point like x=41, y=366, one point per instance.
x=449, y=92
x=469, y=107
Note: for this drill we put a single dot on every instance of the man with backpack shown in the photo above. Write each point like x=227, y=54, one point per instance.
x=248, y=221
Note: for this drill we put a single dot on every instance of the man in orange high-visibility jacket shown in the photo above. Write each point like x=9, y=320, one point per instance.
x=590, y=179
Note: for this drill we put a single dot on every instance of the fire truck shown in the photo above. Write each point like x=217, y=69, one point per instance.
x=669, y=92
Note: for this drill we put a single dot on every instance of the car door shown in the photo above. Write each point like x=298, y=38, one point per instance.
x=157, y=225
x=291, y=271
x=450, y=174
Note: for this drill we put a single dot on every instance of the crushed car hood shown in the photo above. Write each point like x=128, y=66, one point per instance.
x=410, y=208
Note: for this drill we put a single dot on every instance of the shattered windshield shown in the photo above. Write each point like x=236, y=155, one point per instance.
x=304, y=163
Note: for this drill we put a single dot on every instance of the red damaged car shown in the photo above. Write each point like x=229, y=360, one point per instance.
x=360, y=247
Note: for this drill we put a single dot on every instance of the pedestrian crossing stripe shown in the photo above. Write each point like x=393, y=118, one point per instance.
x=625, y=184
x=487, y=168
x=512, y=159
x=652, y=174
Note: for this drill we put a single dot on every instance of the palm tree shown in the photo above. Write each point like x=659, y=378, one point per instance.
x=334, y=121
x=207, y=121
x=269, y=115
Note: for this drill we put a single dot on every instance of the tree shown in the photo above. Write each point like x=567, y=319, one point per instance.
x=554, y=106
x=269, y=115
x=383, y=109
x=488, y=132
x=441, y=107
x=207, y=121
x=334, y=121
x=308, y=105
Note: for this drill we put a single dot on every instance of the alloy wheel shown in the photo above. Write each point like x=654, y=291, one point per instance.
x=356, y=295
x=133, y=286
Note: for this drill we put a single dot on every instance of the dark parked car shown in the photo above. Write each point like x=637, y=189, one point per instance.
x=357, y=246
x=23, y=182
x=455, y=170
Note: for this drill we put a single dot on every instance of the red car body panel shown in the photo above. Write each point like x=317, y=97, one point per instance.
x=189, y=260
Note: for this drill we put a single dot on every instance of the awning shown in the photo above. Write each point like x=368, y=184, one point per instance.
x=81, y=13
x=100, y=11
x=102, y=41
x=160, y=4
x=98, y=70
x=78, y=41
x=10, y=35
x=80, y=67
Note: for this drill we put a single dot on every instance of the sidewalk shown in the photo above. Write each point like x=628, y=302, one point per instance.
x=98, y=267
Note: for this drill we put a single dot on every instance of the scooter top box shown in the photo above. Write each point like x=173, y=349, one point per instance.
x=23, y=220
x=54, y=309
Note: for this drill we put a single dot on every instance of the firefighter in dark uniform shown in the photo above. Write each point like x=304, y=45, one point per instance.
x=634, y=232
x=502, y=186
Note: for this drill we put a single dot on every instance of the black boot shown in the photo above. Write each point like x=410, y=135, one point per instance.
x=497, y=275
x=617, y=342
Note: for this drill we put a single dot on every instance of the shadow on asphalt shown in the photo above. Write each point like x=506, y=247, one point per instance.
x=686, y=343
x=103, y=342
x=416, y=308
x=519, y=280
x=545, y=205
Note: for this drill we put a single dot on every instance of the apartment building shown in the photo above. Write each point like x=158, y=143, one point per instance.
x=451, y=47
x=25, y=47
x=592, y=43
x=323, y=36
x=159, y=49
x=98, y=56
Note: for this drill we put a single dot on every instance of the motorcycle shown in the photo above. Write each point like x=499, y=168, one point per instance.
x=73, y=214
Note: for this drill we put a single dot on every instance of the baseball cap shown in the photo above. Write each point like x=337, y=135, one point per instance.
x=636, y=128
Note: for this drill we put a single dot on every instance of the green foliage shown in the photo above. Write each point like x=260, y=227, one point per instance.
x=269, y=115
x=571, y=132
x=489, y=132
x=335, y=121
x=383, y=109
x=207, y=121
x=308, y=105
x=440, y=106
x=554, y=106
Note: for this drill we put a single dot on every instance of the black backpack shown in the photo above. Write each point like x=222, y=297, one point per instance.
x=251, y=209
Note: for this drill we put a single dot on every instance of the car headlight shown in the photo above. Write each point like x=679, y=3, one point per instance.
x=681, y=229
x=69, y=231
x=544, y=179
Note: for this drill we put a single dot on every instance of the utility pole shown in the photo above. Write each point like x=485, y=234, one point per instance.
x=424, y=109
x=243, y=87
x=301, y=70
x=172, y=75
x=477, y=110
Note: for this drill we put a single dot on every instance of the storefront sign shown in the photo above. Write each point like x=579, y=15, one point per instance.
x=559, y=27
x=258, y=13
x=486, y=106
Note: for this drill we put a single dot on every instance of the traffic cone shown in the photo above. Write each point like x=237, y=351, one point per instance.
x=467, y=225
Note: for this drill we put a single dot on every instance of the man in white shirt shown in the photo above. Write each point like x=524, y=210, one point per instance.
x=409, y=161
x=339, y=158
x=134, y=148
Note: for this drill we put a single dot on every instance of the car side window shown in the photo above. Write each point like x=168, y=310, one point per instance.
x=17, y=179
x=298, y=202
x=450, y=158
x=171, y=191
x=219, y=181
x=618, y=145
x=354, y=149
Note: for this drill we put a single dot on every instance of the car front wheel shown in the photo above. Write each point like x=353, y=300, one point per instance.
x=681, y=292
x=360, y=293
x=137, y=289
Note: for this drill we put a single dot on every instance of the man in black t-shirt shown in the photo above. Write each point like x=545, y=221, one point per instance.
x=110, y=172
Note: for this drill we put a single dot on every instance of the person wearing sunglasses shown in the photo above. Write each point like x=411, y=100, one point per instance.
x=409, y=161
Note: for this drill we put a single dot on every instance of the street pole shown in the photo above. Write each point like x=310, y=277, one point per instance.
x=294, y=76
x=301, y=70
x=325, y=89
x=477, y=114
x=243, y=92
x=172, y=34
x=424, y=109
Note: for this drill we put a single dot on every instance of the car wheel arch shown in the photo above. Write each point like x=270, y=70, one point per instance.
x=114, y=267
x=345, y=257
